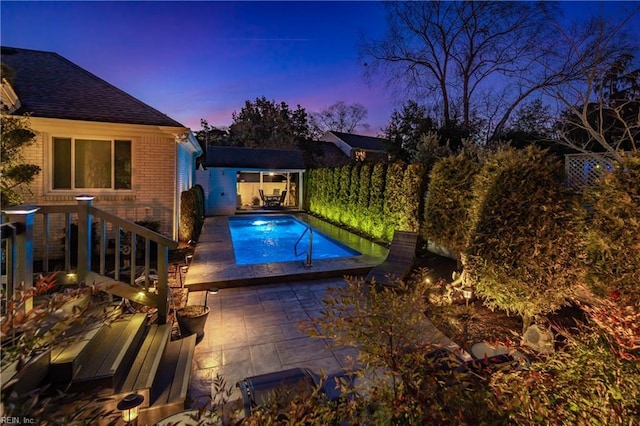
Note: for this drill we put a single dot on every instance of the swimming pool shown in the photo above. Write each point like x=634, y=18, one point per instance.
x=266, y=239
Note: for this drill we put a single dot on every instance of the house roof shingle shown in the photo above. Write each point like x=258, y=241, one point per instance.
x=252, y=158
x=51, y=86
x=360, y=141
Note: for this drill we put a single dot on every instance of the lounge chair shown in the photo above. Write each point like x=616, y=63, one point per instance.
x=399, y=261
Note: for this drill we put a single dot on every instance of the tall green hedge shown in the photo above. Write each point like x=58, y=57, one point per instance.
x=344, y=185
x=446, y=211
x=363, y=199
x=188, y=216
x=613, y=231
x=411, y=199
x=393, y=207
x=353, y=216
x=524, y=249
x=376, y=201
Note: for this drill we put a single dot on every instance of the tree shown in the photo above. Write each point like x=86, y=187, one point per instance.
x=454, y=52
x=602, y=110
x=266, y=124
x=532, y=125
x=15, y=175
x=405, y=130
x=339, y=117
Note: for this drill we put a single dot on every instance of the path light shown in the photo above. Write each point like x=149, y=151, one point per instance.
x=212, y=290
x=467, y=293
x=129, y=407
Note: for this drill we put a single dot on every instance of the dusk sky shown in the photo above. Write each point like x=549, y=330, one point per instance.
x=194, y=60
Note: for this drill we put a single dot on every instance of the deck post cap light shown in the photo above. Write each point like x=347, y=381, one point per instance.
x=129, y=406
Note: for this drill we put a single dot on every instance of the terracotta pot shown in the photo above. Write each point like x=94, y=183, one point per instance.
x=192, y=320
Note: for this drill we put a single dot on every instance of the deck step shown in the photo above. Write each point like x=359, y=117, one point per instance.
x=169, y=390
x=110, y=352
x=144, y=367
x=67, y=358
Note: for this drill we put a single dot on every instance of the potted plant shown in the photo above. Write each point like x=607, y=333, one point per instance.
x=192, y=319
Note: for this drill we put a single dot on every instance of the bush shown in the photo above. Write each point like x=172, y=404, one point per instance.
x=392, y=196
x=363, y=199
x=189, y=219
x=353, y=217
x=376, y=200
x=446, y=211
x=613, y=235
x=344, y=186
x=584, y=384
x=411, y=199
x=524, y=251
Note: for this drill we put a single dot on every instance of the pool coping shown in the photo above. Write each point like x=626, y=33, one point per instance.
x=213, y=263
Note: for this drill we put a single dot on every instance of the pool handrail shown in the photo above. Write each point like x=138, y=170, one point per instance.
x=309, y=252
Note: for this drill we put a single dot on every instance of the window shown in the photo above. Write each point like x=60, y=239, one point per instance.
x=89, y=163
x=360, y=155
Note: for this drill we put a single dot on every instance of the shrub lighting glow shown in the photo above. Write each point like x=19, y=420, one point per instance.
x=268, y=239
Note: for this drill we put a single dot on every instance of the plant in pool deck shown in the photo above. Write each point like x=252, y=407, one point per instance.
x=525, y=252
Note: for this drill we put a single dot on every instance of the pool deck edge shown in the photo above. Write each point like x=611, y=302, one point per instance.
x=213, y=263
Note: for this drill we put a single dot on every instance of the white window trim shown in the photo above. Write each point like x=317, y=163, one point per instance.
x=93, y=191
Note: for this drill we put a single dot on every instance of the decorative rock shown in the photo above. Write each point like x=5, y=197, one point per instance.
x=539, y=339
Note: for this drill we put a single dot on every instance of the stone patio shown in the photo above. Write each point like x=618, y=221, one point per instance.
x=254, y=330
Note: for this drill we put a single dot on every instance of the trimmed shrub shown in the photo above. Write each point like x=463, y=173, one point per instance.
x=613, y=235
x=411, y=197
x=446, y=211
x=333, y=191
x=353, y=218
x=524, y=251
x=344, y=185
x=364, y=217
x=376, y=200
x=188, y=216
x=392, y=199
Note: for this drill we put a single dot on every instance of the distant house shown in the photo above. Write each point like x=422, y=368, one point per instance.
x=358, y=147
x=235, y=176
x=95, y=139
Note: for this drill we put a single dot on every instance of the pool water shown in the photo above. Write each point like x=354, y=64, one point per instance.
x=266, y=239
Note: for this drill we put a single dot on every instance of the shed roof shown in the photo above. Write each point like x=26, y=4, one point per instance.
x=360, y=141
x=51, y=86
x=254, y=158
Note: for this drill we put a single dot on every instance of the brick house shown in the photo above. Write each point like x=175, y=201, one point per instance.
x=93, y=138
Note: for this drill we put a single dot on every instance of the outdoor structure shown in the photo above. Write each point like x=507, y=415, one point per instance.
x=583, y=170
x=94, y=139
x=358, y=147
x=235, y=178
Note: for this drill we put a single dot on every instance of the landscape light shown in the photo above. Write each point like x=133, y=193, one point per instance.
x=129, y=407
x=467, y=293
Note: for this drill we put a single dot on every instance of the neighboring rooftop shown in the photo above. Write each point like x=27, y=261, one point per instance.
x=369, y=143
x=51, y=86
x=253, y=158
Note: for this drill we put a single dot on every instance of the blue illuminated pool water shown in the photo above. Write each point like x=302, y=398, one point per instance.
x=266, y=239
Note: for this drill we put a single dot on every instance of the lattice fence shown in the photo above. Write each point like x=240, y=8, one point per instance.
x=583, y=170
